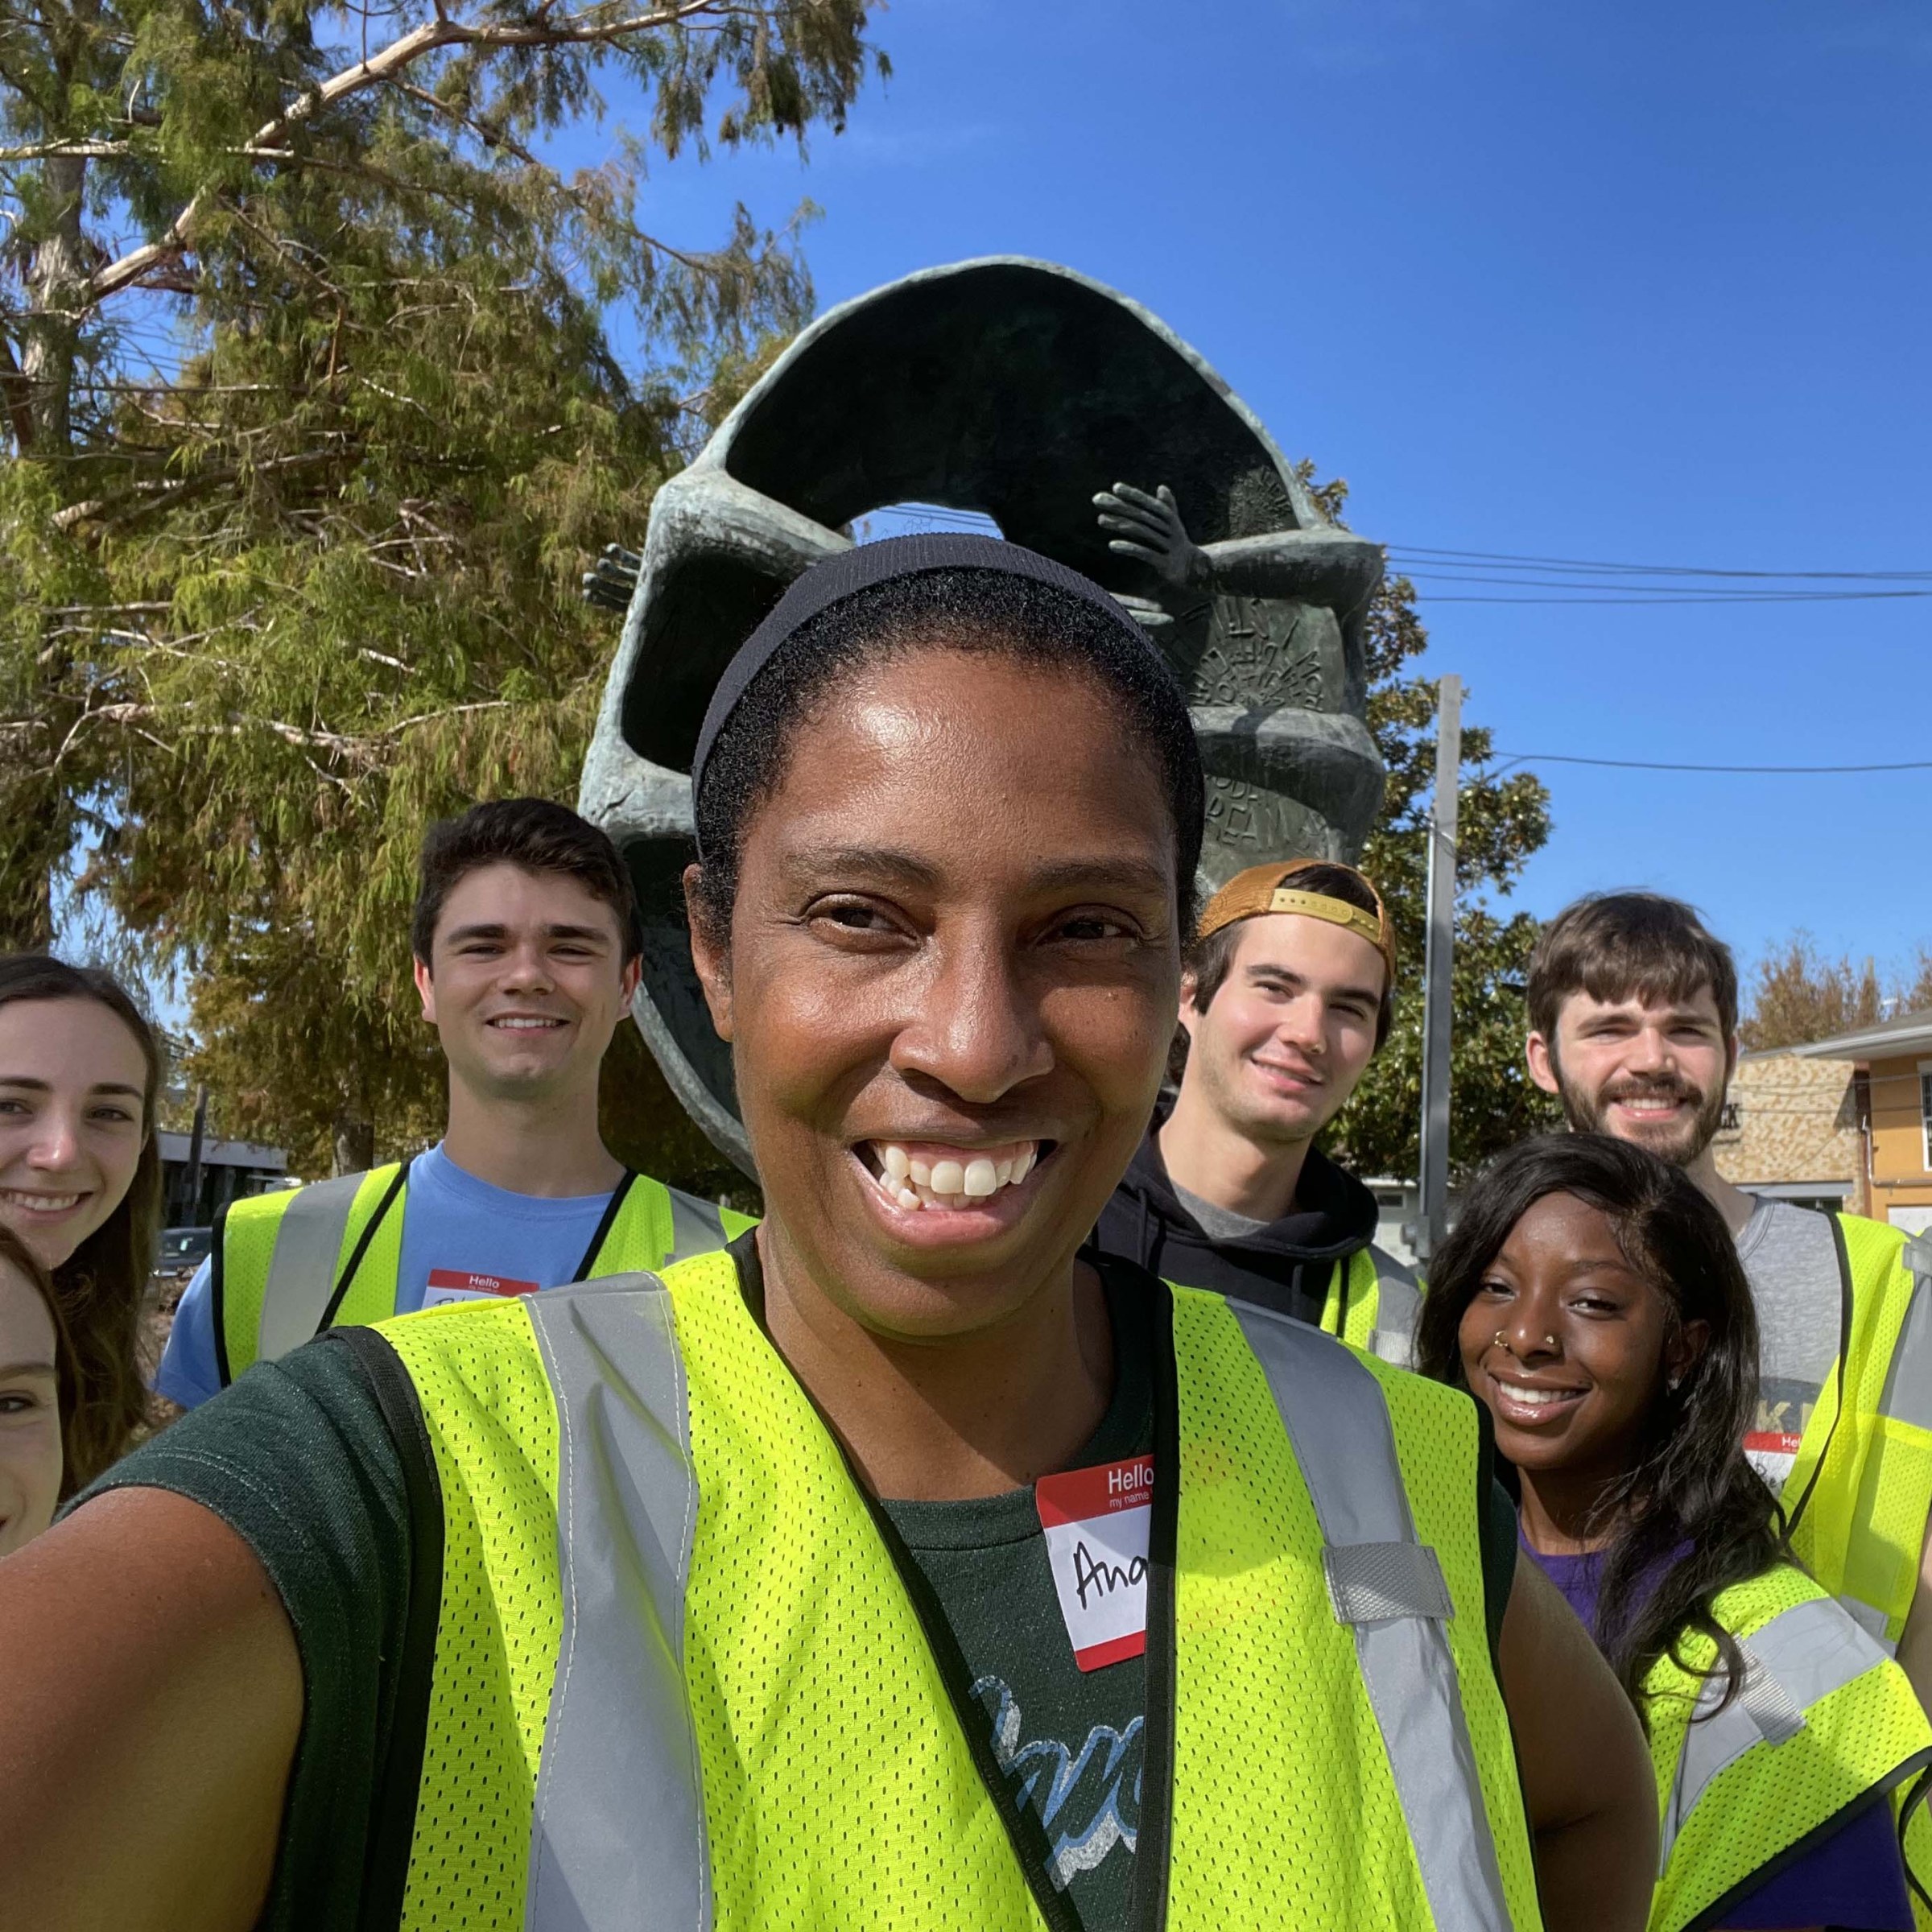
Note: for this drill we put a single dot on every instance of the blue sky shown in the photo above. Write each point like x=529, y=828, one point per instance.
x=1645, y=283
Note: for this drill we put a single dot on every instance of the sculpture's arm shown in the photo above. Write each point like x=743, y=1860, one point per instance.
x=1329, y=566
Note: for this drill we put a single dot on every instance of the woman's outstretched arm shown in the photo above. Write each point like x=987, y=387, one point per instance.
x=1588, y=1782
x=150, y=1700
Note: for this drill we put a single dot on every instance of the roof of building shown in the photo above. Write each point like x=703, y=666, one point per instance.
x=1910, y=1033
x=223, y=1153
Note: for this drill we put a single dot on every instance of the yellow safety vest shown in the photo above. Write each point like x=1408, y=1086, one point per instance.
x=1373, y=1303
x=677, y=1679
x=1861, y=1486
x=1822, y=1719
x=286, y=1266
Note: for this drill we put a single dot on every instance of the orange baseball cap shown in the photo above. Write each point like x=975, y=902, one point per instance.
x=1265, y=889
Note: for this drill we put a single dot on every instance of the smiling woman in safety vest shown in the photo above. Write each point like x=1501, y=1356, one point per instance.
x=894, y=1568
x=1592, y=1297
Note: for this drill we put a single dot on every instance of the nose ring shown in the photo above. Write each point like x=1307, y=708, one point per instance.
x=1502, y=1341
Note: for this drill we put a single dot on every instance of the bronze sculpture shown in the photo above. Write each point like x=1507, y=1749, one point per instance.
x=1045, y=401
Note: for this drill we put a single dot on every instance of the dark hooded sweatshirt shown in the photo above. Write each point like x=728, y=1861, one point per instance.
x=1286, y=1265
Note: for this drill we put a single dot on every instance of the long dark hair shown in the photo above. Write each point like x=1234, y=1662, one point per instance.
x=100, y=1286
x=1693, y=1485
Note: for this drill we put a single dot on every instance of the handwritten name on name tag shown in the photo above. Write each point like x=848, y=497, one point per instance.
x=1096, y=1523
x=448, y=1284
x=1772, y=1452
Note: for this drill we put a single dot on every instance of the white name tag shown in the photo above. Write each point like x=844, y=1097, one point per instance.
x=448, y=1284
x=1096, y=1522
x=1772, y=1452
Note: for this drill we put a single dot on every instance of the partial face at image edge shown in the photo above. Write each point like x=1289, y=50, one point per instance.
x=949, y=983
x=30, y=1458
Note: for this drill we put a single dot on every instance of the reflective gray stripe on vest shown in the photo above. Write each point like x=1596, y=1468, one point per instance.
x=1803, y=1654
x=1389, y=1587
x=1398, y=1307
x=697, y=1227
x=617, y=1835
x=1908, y=1393
x=302, y=1271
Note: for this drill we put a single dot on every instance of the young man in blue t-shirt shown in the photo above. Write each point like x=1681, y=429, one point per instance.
x=526, y=941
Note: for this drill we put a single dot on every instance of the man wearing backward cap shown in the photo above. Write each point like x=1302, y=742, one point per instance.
x=1287, y=996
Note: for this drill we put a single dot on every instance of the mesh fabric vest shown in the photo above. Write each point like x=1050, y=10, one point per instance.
x=1823, y=1718
x=291, y=1263
x=1372, y=1303
x=807, y=1762
x=1864, y=1466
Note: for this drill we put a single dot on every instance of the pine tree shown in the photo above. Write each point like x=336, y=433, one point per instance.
x=310, y=367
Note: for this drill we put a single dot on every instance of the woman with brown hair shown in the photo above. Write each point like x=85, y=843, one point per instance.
x=80, y=1179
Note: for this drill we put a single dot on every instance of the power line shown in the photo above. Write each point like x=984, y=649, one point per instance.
x=1666, y=570
x=1456, y=574
x=1559, y=757
x=1590, y=581
x=1677, y=594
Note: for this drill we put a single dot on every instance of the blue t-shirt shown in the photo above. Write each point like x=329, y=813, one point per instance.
x=454, y=1226
x=1854, y=1878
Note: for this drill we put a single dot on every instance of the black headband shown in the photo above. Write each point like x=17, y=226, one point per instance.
x=851, y=571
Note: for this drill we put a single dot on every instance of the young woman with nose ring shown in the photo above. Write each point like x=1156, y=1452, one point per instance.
x=1592, y=1298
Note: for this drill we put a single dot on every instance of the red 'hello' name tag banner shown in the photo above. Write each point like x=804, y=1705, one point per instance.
x=448, y=1284
x=1772, y=1452
x=1096, y=1523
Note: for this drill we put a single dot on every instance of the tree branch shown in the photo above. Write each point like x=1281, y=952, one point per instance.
x=577, y=30
x=144, y=497
x=490, y=137
x=49, y=150
x=18, y=393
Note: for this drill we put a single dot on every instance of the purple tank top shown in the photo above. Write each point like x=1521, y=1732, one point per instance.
x=1854, y=1878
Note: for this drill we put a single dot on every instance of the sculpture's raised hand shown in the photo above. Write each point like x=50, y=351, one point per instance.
x=1143, y=610
x=610, y=585
x=1149, y=528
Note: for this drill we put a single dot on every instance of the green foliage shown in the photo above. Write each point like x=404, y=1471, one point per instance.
x=1501, y=821
x=1797, y=995
x=318, y=413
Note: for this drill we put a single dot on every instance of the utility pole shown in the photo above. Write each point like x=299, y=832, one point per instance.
x=191, y=1208
x=1438, y=959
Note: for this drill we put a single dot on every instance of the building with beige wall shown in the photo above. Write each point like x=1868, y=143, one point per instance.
x=1793, y=1129
x=1890, y=1067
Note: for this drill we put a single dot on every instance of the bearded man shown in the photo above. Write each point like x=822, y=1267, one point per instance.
x=1633, y=1027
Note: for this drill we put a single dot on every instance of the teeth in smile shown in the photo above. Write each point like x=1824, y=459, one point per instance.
x=962, y=1177
x=44, y=1203
x=1536, y=1398
x=522, y=1025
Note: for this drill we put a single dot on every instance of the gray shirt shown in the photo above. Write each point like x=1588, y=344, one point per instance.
x=1217, y=1224
x=1790, y=1256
